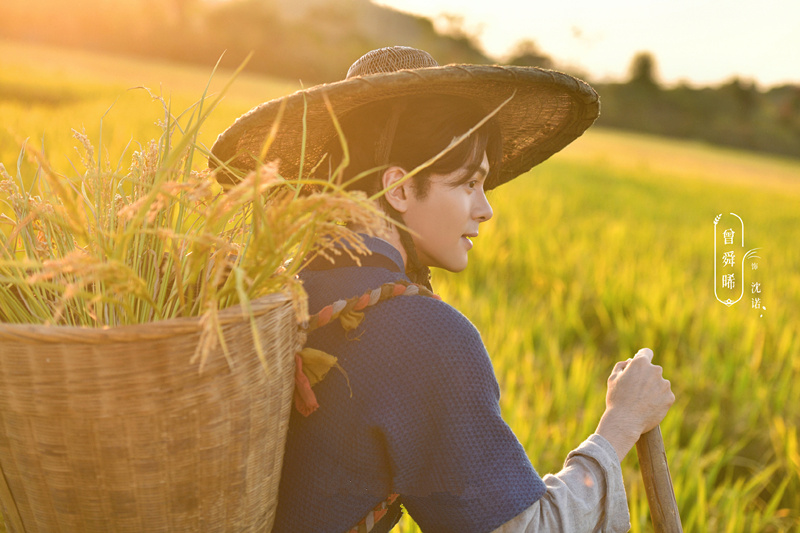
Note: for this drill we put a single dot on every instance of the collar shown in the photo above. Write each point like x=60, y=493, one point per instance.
x=383, y=247
x=384, y=255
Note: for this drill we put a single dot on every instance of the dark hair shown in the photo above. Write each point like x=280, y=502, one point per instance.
x=407, y=132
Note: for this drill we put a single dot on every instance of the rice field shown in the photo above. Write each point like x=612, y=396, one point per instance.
x=606, y=248
x=590, y=258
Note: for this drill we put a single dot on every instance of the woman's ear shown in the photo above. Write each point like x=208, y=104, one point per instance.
x=399, y=195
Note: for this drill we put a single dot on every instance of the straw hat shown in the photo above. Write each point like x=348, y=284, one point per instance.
x=548, y=111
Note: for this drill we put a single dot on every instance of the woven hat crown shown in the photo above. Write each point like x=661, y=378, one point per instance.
x=390, y=59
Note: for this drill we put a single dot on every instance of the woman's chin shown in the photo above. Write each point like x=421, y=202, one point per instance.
x=455, y=266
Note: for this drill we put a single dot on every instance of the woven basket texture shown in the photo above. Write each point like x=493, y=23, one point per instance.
x=115, y=430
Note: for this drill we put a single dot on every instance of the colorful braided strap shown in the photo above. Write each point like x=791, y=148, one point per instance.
x=312, y=365
x=369, y=521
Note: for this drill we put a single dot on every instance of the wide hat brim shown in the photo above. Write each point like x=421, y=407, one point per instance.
x=548, y=111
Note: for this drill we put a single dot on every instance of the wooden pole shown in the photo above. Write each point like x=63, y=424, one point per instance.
x=658, y=483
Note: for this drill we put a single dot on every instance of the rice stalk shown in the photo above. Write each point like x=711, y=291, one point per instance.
x=161, y=240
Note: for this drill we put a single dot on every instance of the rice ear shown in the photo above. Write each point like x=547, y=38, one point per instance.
x=160, y=240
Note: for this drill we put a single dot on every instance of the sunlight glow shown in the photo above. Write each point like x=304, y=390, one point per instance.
x=698, y=41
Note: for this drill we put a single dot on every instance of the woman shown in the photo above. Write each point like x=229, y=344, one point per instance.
x=414, y=418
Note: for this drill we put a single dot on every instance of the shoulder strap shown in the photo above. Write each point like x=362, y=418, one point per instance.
x=368, y=522
x=311, y=366
x=387, y=291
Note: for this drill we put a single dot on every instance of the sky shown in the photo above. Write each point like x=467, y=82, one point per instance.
x=701, y=42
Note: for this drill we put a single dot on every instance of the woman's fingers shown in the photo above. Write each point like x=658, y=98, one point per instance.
x=637, y=399
x=646, y=353
x=637, y=387
x=620, y=366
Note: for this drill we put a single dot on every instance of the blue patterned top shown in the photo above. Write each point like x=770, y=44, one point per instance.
x=423, y=419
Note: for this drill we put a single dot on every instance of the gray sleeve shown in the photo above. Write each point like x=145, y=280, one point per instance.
x=586, y=495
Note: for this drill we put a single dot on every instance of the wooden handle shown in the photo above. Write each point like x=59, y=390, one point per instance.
x=658, y=483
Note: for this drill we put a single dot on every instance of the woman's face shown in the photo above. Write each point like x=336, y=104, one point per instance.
x=444, y=221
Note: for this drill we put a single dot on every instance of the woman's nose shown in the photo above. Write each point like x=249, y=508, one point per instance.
x=483, y=209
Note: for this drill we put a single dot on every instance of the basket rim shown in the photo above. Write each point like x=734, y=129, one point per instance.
x=147, y=331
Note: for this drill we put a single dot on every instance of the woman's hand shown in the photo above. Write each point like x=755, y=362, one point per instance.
x=638, y=398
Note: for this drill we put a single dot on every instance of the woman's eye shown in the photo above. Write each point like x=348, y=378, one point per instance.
x=472, y=184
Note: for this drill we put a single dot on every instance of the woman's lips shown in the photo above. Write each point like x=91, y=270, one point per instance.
x=468, y=238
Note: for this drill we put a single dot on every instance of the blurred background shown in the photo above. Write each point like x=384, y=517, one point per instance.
x=603, y=249
x=724, y=72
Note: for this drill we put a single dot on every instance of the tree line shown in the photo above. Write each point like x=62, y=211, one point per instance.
x=311, y=40
x=316, y=41
x=734, y=113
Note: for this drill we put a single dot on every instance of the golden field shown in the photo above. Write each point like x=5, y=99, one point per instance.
x=604, y=249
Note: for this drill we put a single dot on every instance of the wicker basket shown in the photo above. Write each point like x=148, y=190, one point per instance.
x=115, y=430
